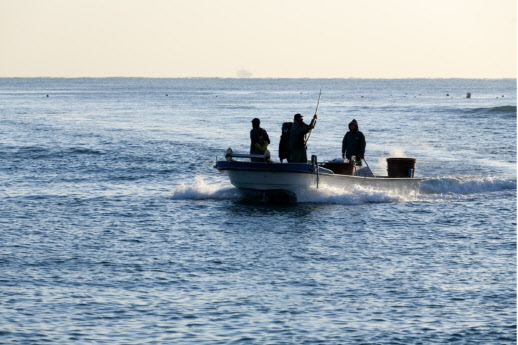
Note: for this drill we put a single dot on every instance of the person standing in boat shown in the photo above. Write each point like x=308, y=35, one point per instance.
x=259, y=140
x=353, y=143
x=298, y=131
x=284, y=143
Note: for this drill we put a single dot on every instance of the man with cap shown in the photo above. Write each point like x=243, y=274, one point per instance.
x=259, y=140
x=298, y=132
x=353, y=143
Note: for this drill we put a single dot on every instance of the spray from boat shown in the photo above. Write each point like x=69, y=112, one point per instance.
x=431, y=190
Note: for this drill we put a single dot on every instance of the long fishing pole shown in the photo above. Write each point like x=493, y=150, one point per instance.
x=314, y=121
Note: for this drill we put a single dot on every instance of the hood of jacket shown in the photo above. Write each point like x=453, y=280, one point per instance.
x=353, y=122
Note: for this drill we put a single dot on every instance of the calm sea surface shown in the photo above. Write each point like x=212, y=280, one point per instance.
x=116, y=229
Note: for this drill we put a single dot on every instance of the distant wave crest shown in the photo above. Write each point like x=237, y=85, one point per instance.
x=83, y=151
x=466, y=185
x=41, y=152
x=502, y=109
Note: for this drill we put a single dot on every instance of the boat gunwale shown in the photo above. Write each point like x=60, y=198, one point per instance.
x=296, y=168
x=301, y=168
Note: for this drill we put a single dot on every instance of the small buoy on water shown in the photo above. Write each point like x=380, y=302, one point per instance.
x=502, y=95
x=167, y=95
x=47, y=95
x=447, y=94
x=468, y=95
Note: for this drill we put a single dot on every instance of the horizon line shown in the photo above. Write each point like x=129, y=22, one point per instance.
x=252, y=78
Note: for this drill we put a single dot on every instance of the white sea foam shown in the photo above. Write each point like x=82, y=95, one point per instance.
x=200, y=189
x=355, y=196
x=459, y=187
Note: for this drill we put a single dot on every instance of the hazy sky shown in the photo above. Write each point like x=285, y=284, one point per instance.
x=265, y=38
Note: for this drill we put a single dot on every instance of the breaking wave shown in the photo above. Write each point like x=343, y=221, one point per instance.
x=505, y=109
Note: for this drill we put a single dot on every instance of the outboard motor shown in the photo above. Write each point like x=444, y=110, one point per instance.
x=314, y=162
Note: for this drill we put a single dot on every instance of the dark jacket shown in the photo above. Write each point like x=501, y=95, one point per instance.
x=297, y=145
x=258, y=140
x=284, y=143
x=353, y=143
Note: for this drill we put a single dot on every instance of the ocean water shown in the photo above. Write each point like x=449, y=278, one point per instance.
x=116, y=228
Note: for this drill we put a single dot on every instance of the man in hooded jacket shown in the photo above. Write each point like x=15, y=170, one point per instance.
x=353, y=143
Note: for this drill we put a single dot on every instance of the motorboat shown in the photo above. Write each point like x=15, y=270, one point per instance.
x=263, y=176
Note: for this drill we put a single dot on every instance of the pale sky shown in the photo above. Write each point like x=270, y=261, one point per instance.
x=265, y=38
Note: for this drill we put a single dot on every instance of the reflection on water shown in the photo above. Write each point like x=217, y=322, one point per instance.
x=116, y=228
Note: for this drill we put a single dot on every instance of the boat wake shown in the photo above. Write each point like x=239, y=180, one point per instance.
x=200, y=189
x=433, y=189
x=439, y=188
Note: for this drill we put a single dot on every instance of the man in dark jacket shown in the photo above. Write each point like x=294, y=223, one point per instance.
x=353, y=143
x=259, y=140
x=284, y=143
x=297, y=139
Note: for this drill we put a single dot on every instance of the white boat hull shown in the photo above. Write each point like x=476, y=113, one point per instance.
x=296, y=177
x=264, y=181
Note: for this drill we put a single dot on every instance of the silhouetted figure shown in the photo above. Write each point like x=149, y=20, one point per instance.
x=298, y=131
x=353, y=143
x=259, y=140
x=284, y=143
